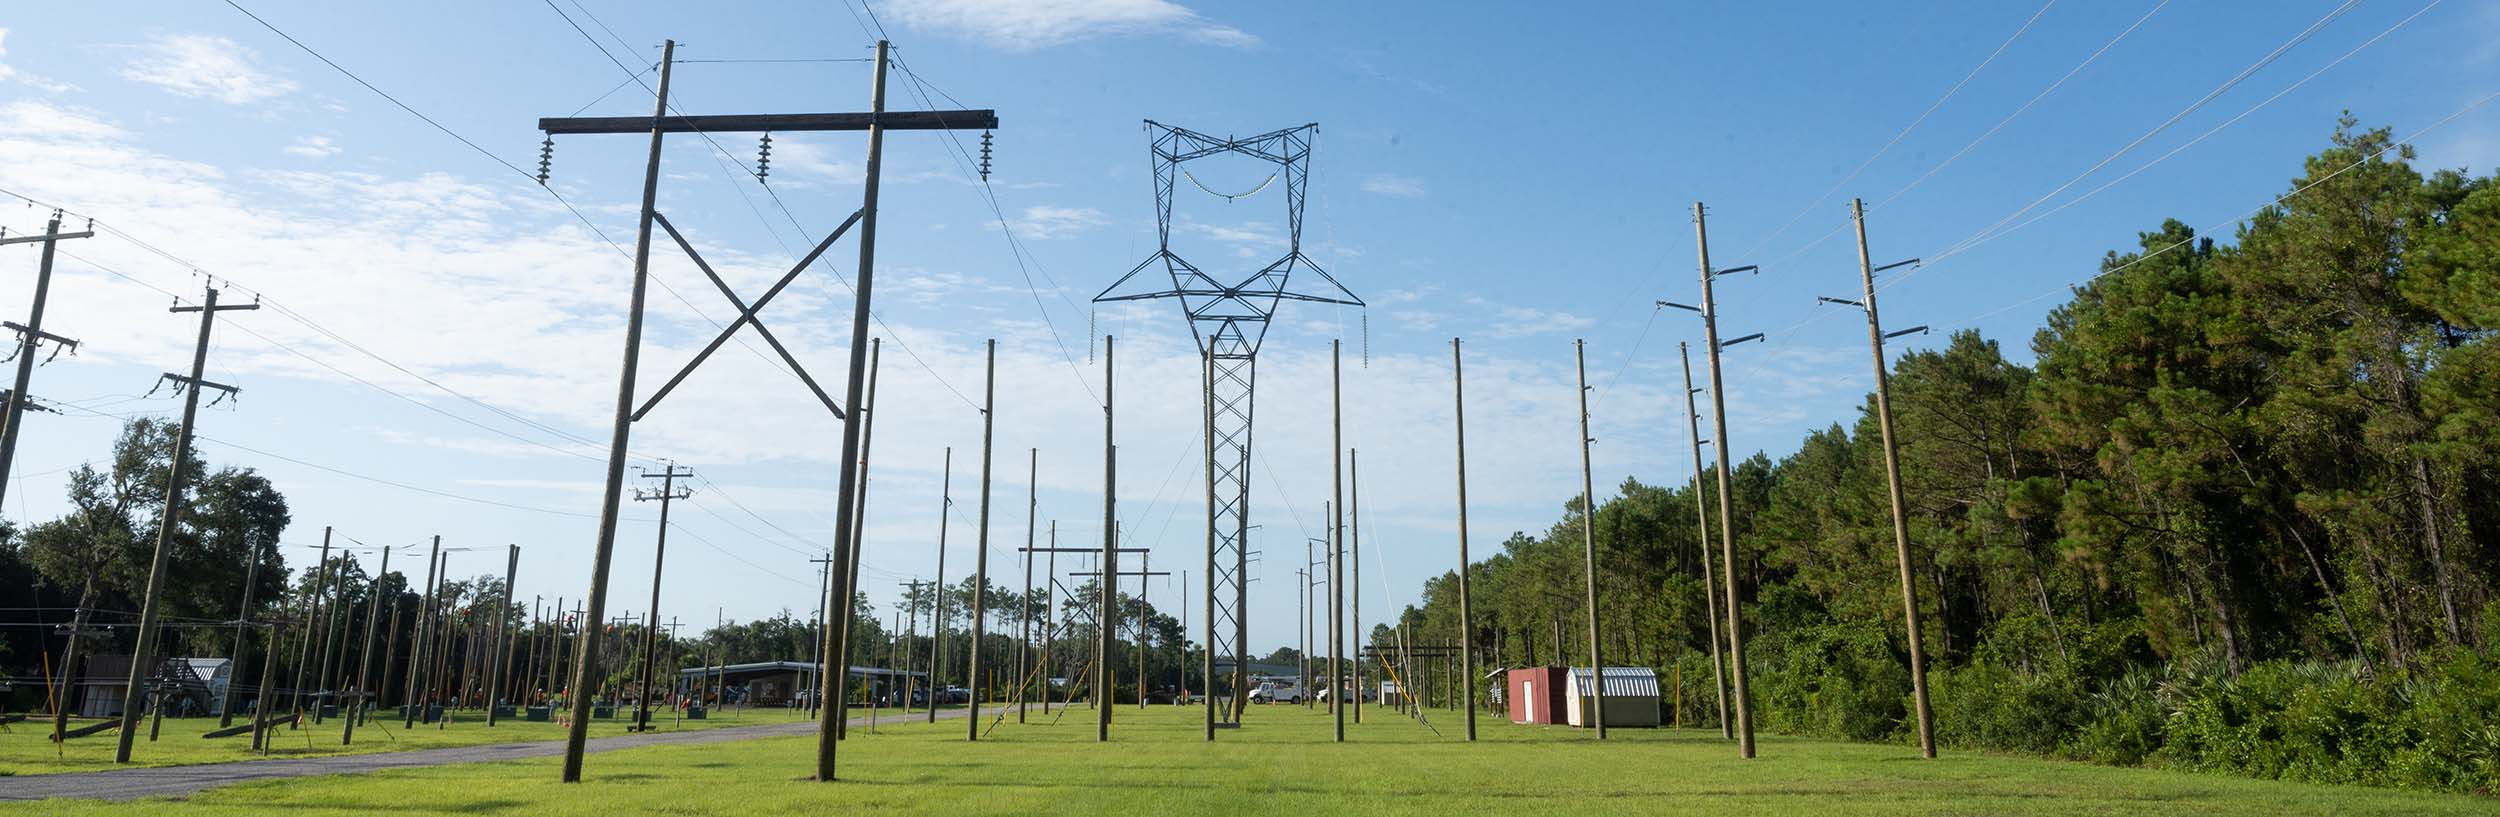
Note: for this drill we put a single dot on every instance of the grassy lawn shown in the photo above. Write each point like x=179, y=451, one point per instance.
x=28, y=749
x=1284, y=764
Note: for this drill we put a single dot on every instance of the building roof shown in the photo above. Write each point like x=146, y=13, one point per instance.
x=1623, y=681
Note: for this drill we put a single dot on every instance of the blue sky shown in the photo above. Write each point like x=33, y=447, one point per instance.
x=1518, y=175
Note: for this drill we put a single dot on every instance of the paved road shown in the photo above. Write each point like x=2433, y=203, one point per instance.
x=171, y=781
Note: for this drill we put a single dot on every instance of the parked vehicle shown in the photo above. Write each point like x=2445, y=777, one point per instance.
x=1276, y=693
x=954, y=695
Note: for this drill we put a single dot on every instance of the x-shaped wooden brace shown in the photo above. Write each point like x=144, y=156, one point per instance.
x=746, y=314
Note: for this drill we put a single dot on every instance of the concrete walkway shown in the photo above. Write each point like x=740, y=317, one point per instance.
x=175, y=781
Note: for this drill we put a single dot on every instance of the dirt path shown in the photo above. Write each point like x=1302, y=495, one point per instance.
x=172, y=781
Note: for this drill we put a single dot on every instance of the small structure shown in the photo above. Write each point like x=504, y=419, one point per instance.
x=1631, y=697
x=1390, y=694
x=188, y=686
x=1536, y=695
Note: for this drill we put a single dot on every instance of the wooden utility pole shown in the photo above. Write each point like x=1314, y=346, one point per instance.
x=1336, y=535
x=242, y=638
x=1875, y=337
x=1354, y=589
x=911, y=602
x=364, y=658
x=1105, y=588
x=262, y=701
x=29, y=336
x=1145, y=563
x=859, y=520
x=503, y=618
x=1206, y=360
x=1588, y=542
x=143, y=658
x=1024, y=602
x=814, y=676
x=981, y=548
x=335, y=623
x=413, y=697
x=1701, y=516
x=668, y=494
x=312, y=613
x=1312, y=571
x=937, y=604
x=1727, y=503
x=1050, y=610
x=1466, y=606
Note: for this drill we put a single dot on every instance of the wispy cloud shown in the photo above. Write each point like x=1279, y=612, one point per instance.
x=11, y=74
x=313, y=147
x=1520, y=322
x=1025, y=25
x=1404, y=187
x=1042, y=223
x=204, y=66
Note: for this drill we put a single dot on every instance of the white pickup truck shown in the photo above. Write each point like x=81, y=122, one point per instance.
x=1273, y=692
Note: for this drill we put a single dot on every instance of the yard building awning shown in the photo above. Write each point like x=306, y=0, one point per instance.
x=1624, y=682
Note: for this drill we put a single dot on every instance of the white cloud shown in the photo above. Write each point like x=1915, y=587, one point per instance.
x=313, y=147
x=31, y=118
x=204, y=66
x=11, y=74
x=1404, y=187
x=1024, y=25
x=1520, y=322
x=1042, y=223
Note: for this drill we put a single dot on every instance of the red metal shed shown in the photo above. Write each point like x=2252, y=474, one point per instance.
x=1536, y=695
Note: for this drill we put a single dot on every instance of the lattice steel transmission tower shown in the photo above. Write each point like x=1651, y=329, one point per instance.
x=1229, y=318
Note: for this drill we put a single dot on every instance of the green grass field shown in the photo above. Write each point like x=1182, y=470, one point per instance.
x=1284, y=764
x=27, y=748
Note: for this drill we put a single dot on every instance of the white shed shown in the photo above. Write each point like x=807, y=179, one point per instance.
x=1631, y=697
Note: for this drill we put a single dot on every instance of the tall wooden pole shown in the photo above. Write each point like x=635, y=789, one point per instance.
x=242, y=639
x=981, y=548
x=503, y=617
x=1892, y=479
x=1336, y=537
x=413, y=697
x=1207, y=381
x=1588, y=542
x=1701, y=516
x=859, y=520
x=937, y=603
x=1024, y=603
x=839, y=682
x=1106, y=586
x=364, y=658
x=1466, y=605
x=586, y=650
x=1727, y=502
x=1354, y=553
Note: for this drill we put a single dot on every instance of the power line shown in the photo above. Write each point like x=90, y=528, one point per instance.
x=1905, y=131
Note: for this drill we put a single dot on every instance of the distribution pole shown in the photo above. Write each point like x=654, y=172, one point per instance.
x=1354, y=589
x=503, y=617
x=859, y=520
x=1727, y=502
x=242, y=639
x=1145, y=564
x=1336, y=535
x=1105, y=587
x=1876, y=336
x=911, y=603
x=334, y=623
x=815, y=645
x=144, y=656
x=29, y=336
x=1207, y=380
x=1024, y=603
x=364, y=657
x=981, y=549
x=937, y=602
x=412, y=698
x=668, y=493
x=1701, y=516
x=586, y=652
x=1466, y=606
x=1588, y=541
x=1050, y=610
x=1312, y=569
x=268, y=679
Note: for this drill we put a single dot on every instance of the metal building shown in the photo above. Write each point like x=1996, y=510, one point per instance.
x=1536, y=695
x=1631, y=697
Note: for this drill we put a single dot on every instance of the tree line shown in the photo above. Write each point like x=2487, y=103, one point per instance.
x=2241, y=511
